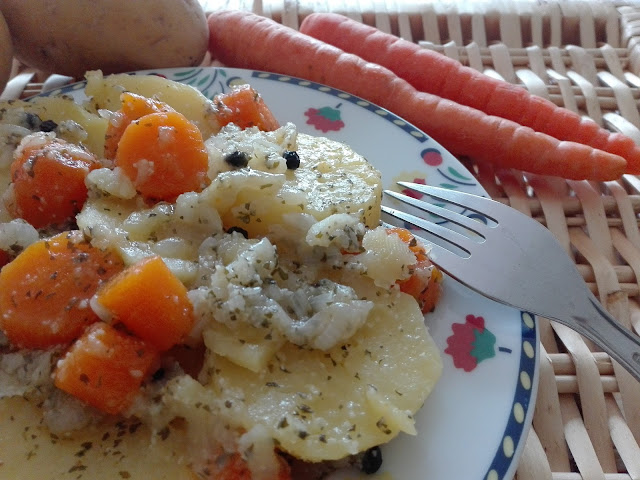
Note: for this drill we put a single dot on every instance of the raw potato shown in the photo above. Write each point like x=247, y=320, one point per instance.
x=6, y=53
x=70, y=37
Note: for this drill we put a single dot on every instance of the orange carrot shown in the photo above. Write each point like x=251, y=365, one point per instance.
x=164, y=155
x=440, y=75
x=236, y=468
x=105, y=368
x=424, y=282
x=48, y=179
x=245, y=107
x=461, y=130
x=133, y=107
x=150, y=301
x=45, y=290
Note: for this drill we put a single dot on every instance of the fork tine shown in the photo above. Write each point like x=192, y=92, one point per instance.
x=465, y=222
x=465, y=200
x=446, y=234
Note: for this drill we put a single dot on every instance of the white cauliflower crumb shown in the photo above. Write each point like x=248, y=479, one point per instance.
x=386, y=257
x=341, y=229
x=111, y=181
x=144, y=170
x=17, y=235
x=264, y=149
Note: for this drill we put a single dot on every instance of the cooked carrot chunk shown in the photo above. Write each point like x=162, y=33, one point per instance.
x=164, y=155
x=423, y=285
x=45, y=290
x=48, y=179
x=244, y=107
x=133, y=107
x=105, y=368
x=424, y=282
x=150, y=301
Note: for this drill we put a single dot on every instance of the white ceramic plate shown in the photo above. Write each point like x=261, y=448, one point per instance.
x=474, y=424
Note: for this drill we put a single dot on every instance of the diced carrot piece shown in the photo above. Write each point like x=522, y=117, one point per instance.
x=133, y=107
x=45, y=290
x=244, y=107
x=164, y=155
x=150, y=301
x=49, y=182
x=236, y=468
x=423, y=285
x=105, y=368
x=424, y=282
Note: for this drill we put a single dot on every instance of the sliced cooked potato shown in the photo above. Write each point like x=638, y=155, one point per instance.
x=326, y=405
x=332, y=178
x=117, y=449
x=61, y=109
x=105, y=93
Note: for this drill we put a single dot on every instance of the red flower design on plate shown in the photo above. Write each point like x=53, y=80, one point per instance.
x=325, y=119
x=471, y=343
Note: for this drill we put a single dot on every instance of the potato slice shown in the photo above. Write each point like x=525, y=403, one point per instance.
x=61, y=109
x=326, y=405
x=332, y=178
x=105, y=93
x=117, y=449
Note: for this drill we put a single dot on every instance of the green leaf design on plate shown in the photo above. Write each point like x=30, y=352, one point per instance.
x=204, y=80
x=457, y=174
x=483, y=345
x=183, y=73
x=450, y=186
x=332, y=114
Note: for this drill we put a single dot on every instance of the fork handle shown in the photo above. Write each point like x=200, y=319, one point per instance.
x=621, y=345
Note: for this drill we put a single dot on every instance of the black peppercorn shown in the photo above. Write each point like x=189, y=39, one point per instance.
x=242, y=231
x=292, y=159
x=158, y=374
x=237, y=159
x=371, y=460
x=48, y=126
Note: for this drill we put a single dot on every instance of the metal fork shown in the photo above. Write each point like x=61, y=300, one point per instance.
x=515, y=261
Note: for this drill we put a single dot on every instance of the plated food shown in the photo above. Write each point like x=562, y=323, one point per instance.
x=228, y=291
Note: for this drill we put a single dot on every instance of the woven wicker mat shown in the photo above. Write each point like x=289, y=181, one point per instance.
x=586, y=57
